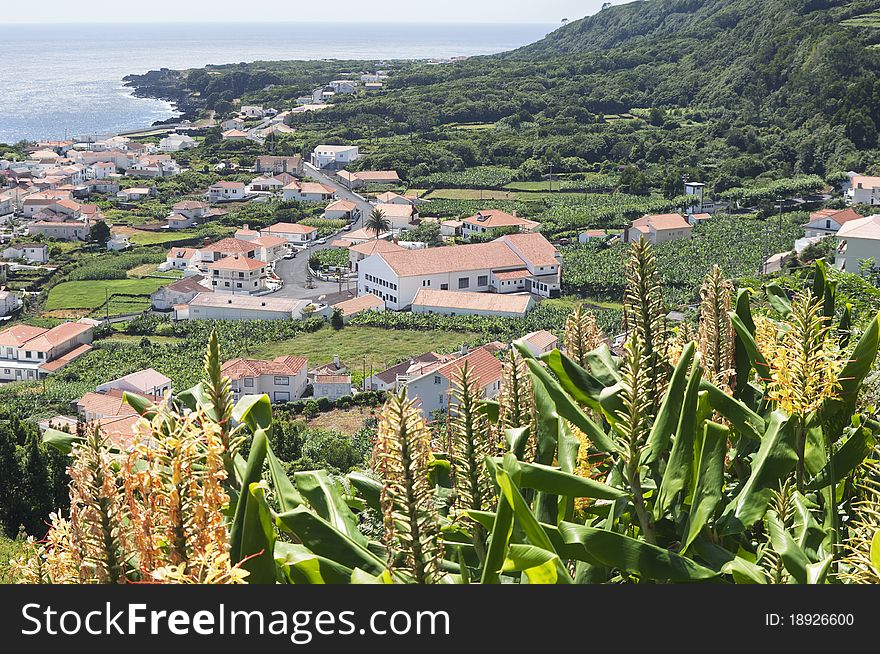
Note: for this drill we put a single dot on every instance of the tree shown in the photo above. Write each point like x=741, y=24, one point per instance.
x=377, y=222
x=633, y=180
x=99, y=233
x=336, y=321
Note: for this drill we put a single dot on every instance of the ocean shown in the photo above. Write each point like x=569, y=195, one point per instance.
x=65, y=81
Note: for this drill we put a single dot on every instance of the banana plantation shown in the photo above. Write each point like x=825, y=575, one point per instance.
x=739, y=450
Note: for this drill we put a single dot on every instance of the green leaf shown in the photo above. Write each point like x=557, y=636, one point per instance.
x=252, y=475
x=324, y=496
x=576, y=381
x=774, y=460
x=500, y=531
x=844, y=460
x=258, y=537
x=566, y=408
x=756, y=360
x=636, y=557
x=60, y=440
x=679, y=468
x=670, y=409
x=742, y=360
x=143, y=406
x=783, y=544
x=358, y=576
x=255, y=411
x=875, y=552
x=538, y=564
x=746, y=422
x=491, y=408
x=552, y=480
x=778, y=299
x=710, y=480
x=743, y=571
x=285, y=492
x=305, y=567
x=368, y=488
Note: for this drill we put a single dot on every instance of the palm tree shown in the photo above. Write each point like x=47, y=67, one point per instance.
x=377, y=222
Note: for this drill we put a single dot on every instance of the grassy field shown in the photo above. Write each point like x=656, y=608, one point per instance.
x=150, y=269
x=348, y=421
x=9, y=549
x=93, y=293
x=473, y=126
x=357, y=346
x=871, y=19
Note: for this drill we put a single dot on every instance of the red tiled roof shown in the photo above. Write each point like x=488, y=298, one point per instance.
x=284, y=365
x=485, y=367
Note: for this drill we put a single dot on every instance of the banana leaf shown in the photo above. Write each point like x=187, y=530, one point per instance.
x=552, y=480
x=324, y=496
x=778, y=299
x=575, y=380
x=709, y=482
x=252, y=474
x=304, y=567
x=742, y=360
x=756, y=360
x=635, y=557
x=255, y=411
x=670, y=409
x=539, y=565
x=368, y=488
x=61, y=440
x=746, y=422
x=258, y=537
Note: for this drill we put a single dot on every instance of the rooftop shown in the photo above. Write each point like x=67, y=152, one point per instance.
x=290, y=228
x=248, y=302
x=358, y=304
x=284, y=365
x=469, y=301
x=483, y=365
x=867, y=228
x=661, y=222
x=368, y=248
x=494, y=219
x=236, y=262
x=231, y=246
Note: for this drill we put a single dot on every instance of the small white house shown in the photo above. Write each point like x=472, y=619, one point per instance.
x=294, y=233
x=142, y=382
x=31, y=252
x=253, y=111
x=331, y=386
x=226, y=192
x=858, y=240
x=9, y=302
x=118, y=242
x=308, y=192
x=863, y=190
x=334, y=156
x=176, y=143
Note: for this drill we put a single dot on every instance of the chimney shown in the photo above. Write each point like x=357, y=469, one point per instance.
x=464, y=349
x=514, y=213
x=245, y=226
x=336, y=360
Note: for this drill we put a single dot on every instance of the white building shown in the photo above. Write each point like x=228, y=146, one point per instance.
x=342, y=210
x=540, y=342
x=238, y=274
x=510, y=264
x=858, y=240
x=118, y=242
x=294, y=233
x=176, y=142
x=182, y=291
x=182, y=258
x=191, y=208
x=253, y=111
x=31, y=252
x=460, y=303
x=399, y=216
x=334, y=156
x=658, y=228
x=142, y=382
x=360, y=251
x=222, y=306
x=283, y=379
x=331, y=386
x=432, y=389
x=490, y=221
x=863, y=190
x=226, y=192
x=9, y=302
x=307, y=192
x=29, y=353
x=829, y=221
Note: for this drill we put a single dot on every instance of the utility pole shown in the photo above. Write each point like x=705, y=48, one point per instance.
x=550, y=165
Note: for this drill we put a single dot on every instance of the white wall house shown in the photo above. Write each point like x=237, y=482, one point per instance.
x=142, y=382
x=226, y=192
x=176, y=142
x=829, y=221
x=283, y=379
x=9, y=303
x=331, y=386
x=334, y=156
x=28, y=352
x=294, y=233
x=307, y=192
x=489, y=222
x=32, y=252
x=863, y=190
x=179, y=292
x=238, y=275
x=432, y=389
x=396, y=277
x=857, y=241
x=223, y=306
x=658, y=229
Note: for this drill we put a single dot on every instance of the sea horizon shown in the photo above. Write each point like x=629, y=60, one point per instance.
x=78, y=91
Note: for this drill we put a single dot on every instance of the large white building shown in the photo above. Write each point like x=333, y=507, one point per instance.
x=307, y=192
x=283, y=379
x=490, y=221
x=293, y=233
x=863, y=190
x=334, y=156
x=29, y=353
x=858, y=240
x=510, y=264
x=223, y=306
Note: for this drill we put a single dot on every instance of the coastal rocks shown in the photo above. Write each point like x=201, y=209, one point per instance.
x=165, y=84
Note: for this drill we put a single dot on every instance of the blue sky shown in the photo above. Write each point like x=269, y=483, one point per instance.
x=157, y=11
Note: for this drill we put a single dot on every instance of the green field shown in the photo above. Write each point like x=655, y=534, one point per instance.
x=871, y=19
x=93, y=293
x=378, y=347
x=9, y=549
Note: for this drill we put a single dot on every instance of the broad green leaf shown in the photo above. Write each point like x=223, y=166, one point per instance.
x=778, y=299
x=500, y=531
x=255, y=411
x=358, y=576
x=636, y=557
x=516, y=439
x=368, y=488
x=305, y=567
x=143, y=406
x=845, y=459
x=756, y=360
x=742, y=360
x=710, y=480
x=252, y=475
x=258, y=537
x=678, y=469
x=60, y=440
x=844, y=327
x=576, y=381
x=742, y=570
x=491, y=409
x=566, y=408
x=538, y=564
x=324, y=496
x=875, y=552
x=603, y=365
x=285, y=492
x=746, y=422
x=670, y=409
x=783, y=544
x=774, y=460
x=552, y=480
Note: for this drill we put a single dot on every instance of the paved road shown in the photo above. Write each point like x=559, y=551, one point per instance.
x=342, y=193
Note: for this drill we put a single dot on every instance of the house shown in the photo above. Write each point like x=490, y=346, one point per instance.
x=237, y=274
x=181, y=258
x=273, y=165
x=358, y=236
x=283, y=379
x=451, y=228
x=308, y=192
x=225, y=192
x=332, y=387
x=344, y=86
x=863, y=190
x=235, y=135
x=118, y=242
x=540, y=342
x=342, y=210
x=176, y=143
x=858, y=240
x=591, y=235
x=61, y=230
x=393, y=378
x=179, y=221
x=9, y=302
x=295, y=233
x=334, y=156
x=335, y=367
x=489, y=222
x=364, y=177
x=191, y=208
x=510, y=264
x=357, y=253
x=389, y=197
x=829, y=221
x=222, y=306
x=461, y=303
x=399, y=216
x=179, y=292
x=29, y=353
x=266, y=184
x=433, y=388
x=658, y=228
x=232, y=124
x=252, y=111
x=102, y=186
x=271, y=249
x=136, y=194
x=93, y=407
x=101, y=170
x=356, y=305
x=142, y=382
x=31, y=252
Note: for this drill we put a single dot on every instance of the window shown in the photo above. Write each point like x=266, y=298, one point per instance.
x=426, y=282
x=282, y=381
x=444, y=287
x=483, y=280
x=27, y=355
x=464, y=282
x=226, y=284
x=248, y=382
x=436, y=379
x=827, y=224
x=238, y=284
